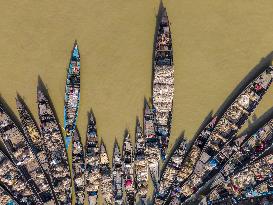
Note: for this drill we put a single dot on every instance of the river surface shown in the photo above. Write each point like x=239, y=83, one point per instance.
x=216, y=44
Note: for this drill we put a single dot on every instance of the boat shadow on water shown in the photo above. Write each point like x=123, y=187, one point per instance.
x=41, y=86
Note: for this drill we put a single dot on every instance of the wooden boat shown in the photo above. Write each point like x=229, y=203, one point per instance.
x=169, y=173
x=226, y=129
x=32, y=132
x=72, y=95
x=78, y=168
x=163, y=82
x=152, y=150
x=13, y=182
x=141, y=165
x=117, y=175
x=22, y=155
x=128, y=168
x=92, y=162
x=192, y=156
x=57, y=155
x=106, y=176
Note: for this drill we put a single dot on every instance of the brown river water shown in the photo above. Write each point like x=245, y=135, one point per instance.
x=216, y=44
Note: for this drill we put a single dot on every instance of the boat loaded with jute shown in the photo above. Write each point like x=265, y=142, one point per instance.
x=163, y=81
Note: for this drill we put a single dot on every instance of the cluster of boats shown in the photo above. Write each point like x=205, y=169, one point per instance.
x=245, y=151
x=221, y=144
x=228, y=167
x=55, y=149
x=21, y=191
x=245, y=183
x=23, y=156
x=129, y=173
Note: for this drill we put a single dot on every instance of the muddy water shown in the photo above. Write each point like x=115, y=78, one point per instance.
x=216, y=43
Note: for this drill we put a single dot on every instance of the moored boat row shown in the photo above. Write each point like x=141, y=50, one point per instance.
x=238, y=152
x=34, y=137
x=248, y=151
x=241, y=184
x=226, y=129
x=192, y=156
x=24, y=158
x=37, y=170
x=13, y=181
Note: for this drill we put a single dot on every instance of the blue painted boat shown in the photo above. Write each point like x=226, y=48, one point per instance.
x=72, y=95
